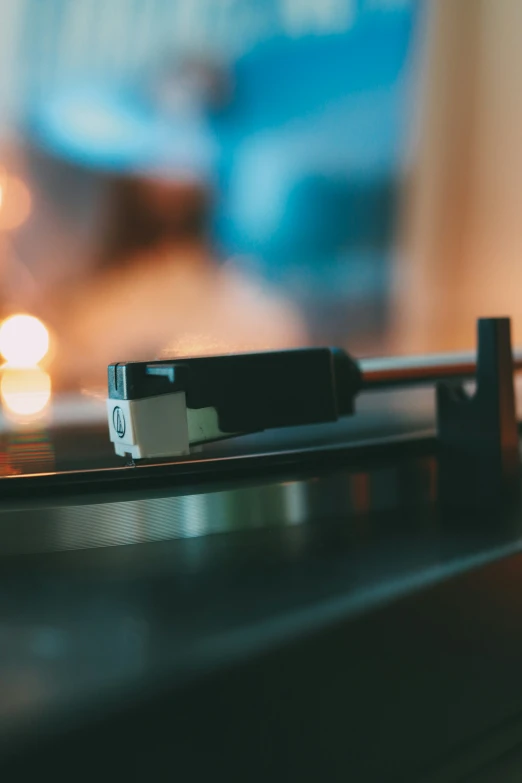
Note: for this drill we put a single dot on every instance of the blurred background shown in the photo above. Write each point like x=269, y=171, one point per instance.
x=186, y=177
x=200, y=176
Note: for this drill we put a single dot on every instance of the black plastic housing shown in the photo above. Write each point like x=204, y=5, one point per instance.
x=251, y=391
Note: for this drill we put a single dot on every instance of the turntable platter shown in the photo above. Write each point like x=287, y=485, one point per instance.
x=312, y=560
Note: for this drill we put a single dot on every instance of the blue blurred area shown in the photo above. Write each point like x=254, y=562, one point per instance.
x=118, y=131
x=312, y=144
x=285, y=78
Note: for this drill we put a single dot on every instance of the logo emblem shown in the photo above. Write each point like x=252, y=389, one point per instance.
x=118, y=420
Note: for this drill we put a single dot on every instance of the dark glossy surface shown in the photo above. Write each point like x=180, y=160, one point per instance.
x=233, y=571
x=107, y=608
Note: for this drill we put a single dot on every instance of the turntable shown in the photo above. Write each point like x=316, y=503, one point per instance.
x=325, y=584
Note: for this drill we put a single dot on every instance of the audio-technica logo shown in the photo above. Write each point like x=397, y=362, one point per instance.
x=118, y=420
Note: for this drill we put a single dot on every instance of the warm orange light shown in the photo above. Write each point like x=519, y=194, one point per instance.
x=15, y=202
x=25, y=392
x=24, y=340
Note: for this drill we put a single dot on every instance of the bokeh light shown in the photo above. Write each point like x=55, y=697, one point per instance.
x=25, y=392
x=24, y=340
